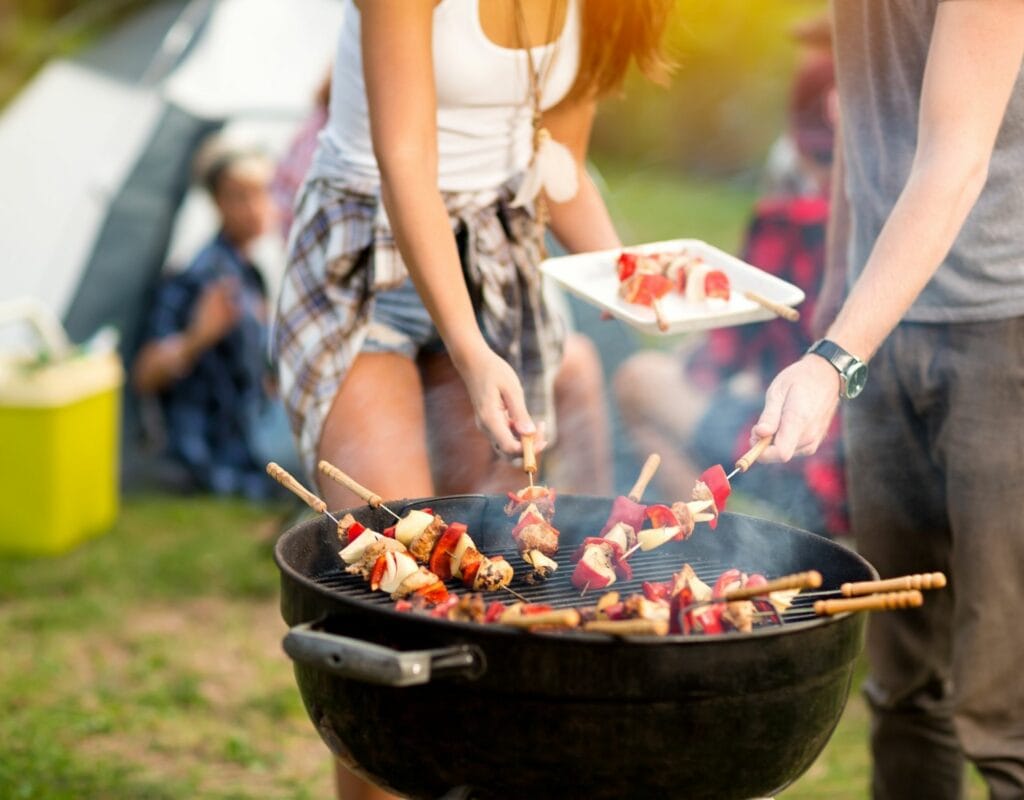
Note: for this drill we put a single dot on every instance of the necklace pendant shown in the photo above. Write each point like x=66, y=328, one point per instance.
x=552, y=170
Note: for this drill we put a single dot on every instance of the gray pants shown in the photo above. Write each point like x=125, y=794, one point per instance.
x=936, y=471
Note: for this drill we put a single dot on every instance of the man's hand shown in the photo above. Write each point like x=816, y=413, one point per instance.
x=216, y=313
x=799, y=407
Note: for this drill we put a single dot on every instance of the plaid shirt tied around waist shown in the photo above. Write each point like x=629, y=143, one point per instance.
x=342, y=252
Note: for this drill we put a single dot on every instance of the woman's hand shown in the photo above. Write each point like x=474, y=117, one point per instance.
x=798, y=409
x=498, y=401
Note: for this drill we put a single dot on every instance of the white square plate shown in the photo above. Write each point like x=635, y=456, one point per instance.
x=593, y=277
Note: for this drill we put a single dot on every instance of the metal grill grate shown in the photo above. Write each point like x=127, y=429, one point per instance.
x=559, y=592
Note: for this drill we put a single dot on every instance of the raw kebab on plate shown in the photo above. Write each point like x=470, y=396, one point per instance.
x=644, y=278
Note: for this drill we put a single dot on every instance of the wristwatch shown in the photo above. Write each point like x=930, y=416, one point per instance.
x=853, y=373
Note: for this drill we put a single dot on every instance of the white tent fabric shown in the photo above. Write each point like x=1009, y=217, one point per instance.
x=71, y=141
x=257, y=57
x=66, y=144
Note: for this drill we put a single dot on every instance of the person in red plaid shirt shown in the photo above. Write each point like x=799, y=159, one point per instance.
x=722, y=376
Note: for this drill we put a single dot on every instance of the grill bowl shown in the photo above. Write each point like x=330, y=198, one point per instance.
x=430, y=708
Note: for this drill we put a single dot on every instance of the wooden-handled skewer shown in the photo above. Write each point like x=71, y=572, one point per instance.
x=646, y=473
x=778, y=309
x=873, y=602
x=285, y=478
x=364, y=494
x=930, y=580
x=799, y=580
x=744, y=461
x=565, y=618
x=659, y=316
x=529, y=455
x=628, y=627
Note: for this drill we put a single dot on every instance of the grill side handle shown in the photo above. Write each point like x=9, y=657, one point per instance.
x=373, y=663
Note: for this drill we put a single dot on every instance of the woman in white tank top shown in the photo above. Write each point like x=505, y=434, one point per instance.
x=432, y=127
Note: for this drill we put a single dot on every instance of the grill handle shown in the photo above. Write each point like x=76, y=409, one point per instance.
x=373, y=663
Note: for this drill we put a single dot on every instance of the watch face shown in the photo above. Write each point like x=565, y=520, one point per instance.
x=856, y=380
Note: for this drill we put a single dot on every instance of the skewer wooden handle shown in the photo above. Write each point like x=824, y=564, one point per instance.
x=565, y=618
x=646, y=473
x=930, y=580
x=283, y=477
x=628, y=627
x=798, y=580
x=529, y=453
x=659, y=316
x=873, y=602
x=778, y=309
x=744, y=461
x=361, y=491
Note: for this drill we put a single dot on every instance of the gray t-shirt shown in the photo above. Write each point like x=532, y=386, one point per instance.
x=881, y=49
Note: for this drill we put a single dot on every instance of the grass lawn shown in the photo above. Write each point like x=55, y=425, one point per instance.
x=147, y=663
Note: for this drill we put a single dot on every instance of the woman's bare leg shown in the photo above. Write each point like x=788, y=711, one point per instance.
x=462, y=458
x=375, y=431
x=581, y=459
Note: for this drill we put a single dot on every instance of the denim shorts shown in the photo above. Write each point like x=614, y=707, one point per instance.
x=401, y=324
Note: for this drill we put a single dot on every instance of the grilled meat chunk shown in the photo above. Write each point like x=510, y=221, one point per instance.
x=539, y=536
x=494, y=573
x=422, y=545
x=364, y=566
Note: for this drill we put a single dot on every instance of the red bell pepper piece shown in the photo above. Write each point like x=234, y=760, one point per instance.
x=527, y=519
x=707, y=619
x=661, y=516
x=680, y=281
x=584, y=576
x=623, y=568
x=718, y=483
x=354, y=530
x=470, y=565
x=625, y=510
x=726, y=580
x=534, y=608
x=441, y=609
x=716, y=284
x=389, y=532
x=378, y=571
x=441, y=558
x=626, y=264
x=436, y=592
x=494, y=611
x=645, y=289
x=655, y=591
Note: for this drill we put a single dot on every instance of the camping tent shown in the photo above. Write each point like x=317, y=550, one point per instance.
x=95, y=152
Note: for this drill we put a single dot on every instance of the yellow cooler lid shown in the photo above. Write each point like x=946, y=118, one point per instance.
x=24, y=383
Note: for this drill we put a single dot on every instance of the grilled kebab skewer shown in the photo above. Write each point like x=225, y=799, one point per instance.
x=535, y=537
x=288, y=481
x=386, y=566
x=446, y=548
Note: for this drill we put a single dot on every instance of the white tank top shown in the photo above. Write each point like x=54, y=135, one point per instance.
x=484, y=128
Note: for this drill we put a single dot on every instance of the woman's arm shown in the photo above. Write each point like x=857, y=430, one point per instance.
x=973, y=63
x=583, y=223
x=399, y=75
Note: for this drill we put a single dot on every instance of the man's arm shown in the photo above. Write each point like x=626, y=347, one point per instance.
x=973, y=63
x=837, y=239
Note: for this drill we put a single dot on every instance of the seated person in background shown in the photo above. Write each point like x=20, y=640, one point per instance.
x=701, y=414
x=205, y=347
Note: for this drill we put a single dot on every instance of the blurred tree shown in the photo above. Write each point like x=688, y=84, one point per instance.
x=32, y=31
x=727, y=100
